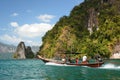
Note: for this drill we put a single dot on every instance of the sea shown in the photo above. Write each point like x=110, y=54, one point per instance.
x=35, y=69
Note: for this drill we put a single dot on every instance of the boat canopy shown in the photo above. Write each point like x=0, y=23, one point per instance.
x=71, y=53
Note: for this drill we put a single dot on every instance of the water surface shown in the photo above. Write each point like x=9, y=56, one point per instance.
x=11, y=69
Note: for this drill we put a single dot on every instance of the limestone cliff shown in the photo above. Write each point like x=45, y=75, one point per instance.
x=29, y=53
x=93, y=27
x=22, y=52
x=116, y=51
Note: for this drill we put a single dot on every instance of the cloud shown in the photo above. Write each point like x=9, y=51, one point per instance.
x=11, y=39
x=32, y=43
x=16, y=40
x=15, y=14
x=33, y=30
x=31, y=34
x=45, y=17
x=14, y=24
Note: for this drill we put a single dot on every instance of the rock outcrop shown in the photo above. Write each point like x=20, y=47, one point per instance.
x=92, y=20
x=22, y=52
x=29, y=53
x=116, y=51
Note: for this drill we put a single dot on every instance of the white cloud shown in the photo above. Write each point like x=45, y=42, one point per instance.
x=15, y=14
x=11, y=39
x=32, y=43
x=33, y=30
x=14, y=24
x=45, y=17
x=27, y=33
x=16, y=40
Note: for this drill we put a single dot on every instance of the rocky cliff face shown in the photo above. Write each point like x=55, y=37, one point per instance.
x=29, y=53
x=22, y=52
x=116, y=51
x=92, y=20
x=95, y=12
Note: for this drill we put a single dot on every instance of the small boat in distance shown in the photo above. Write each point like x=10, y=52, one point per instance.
x=96, y=64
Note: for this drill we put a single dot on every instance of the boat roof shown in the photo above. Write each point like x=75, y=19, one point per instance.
x=71, y=53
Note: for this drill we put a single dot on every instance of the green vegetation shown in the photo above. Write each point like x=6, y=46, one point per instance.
x=71, y=34
x=29, y=53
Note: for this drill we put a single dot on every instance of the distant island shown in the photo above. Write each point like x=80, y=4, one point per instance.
x=93, y=27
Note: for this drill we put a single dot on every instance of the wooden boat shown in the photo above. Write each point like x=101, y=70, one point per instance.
x=97, y=64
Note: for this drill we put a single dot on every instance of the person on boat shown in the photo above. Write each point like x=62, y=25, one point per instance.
x=64, y=58
x=69, y=60
x=77, y=60
x=98, y=58
x=84, y=60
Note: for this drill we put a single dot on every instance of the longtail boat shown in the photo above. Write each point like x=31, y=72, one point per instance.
x=96, y=64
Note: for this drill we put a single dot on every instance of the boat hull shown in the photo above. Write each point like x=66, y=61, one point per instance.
x=87, y=64
x=98, y=64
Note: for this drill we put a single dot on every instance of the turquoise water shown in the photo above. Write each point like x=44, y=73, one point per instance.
x=11, y=69
x=6, y=55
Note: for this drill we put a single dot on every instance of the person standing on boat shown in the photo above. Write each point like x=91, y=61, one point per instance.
x=77, y=60
x=69, y=60
x=64, y=58
x=84, y=60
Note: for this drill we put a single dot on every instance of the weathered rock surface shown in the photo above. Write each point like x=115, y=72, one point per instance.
x=116, y=51
x=22, y=52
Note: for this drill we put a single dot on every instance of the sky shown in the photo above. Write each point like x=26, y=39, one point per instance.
x=29, y=20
